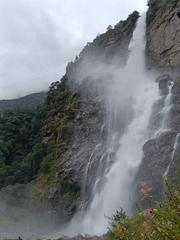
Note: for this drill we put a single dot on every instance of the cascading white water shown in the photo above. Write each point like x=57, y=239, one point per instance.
x=118, y=183
x=165, y=111
x=167, y=106
x=172, y=154
x=83, y=191
x=117, y=189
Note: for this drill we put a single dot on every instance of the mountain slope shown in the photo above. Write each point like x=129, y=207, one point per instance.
x=30, y=101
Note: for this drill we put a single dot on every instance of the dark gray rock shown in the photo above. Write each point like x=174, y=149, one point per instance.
x=159, y=152
x=164, y=81
x=156, y=118
x=157, y=156
x=175, y=109
x=163, y=33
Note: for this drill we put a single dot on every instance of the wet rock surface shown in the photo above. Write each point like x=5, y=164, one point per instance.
x=160, y=151
x=164, y=81
x=163, y=33
x=157, y=155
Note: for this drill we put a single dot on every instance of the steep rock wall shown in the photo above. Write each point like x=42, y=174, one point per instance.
x=161, y=152
x=163, y=33
x=76, y=124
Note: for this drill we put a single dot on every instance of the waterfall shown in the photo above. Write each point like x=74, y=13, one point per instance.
x=167, y=107
x=85, y=178
x=117, y=188
x=165, y=111
x=172, y=154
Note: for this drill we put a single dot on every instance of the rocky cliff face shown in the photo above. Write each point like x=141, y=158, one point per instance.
x=80, y=141
x=76, y=127
x=76, y=122
x=161, y=152
x=163, y=33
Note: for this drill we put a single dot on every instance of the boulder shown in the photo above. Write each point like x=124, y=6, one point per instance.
x=164, y=82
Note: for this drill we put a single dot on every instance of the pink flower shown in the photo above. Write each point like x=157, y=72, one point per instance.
x=149, y=212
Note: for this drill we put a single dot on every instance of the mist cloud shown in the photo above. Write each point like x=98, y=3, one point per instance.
x=38, y=38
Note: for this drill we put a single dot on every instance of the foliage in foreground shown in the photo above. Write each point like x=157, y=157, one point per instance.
x=163, y=225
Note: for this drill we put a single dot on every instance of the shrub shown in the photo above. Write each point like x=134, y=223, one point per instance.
x=163, y=225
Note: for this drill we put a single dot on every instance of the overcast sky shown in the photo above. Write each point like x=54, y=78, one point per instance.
x=39, y=37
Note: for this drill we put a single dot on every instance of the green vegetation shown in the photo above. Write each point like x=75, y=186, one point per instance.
x=60, y=111
x=32, y=141
x=22, y=151
x=60, y=108
x=20, y=146
x=162, y=224
x=120, y=29
x=29, y=101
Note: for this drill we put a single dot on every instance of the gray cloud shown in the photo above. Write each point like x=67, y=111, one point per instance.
x=39, y=37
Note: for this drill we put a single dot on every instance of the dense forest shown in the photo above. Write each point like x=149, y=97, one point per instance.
x=28, y=135
x=20, y=147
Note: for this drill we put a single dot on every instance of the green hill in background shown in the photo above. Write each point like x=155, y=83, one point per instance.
x=30, y=101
